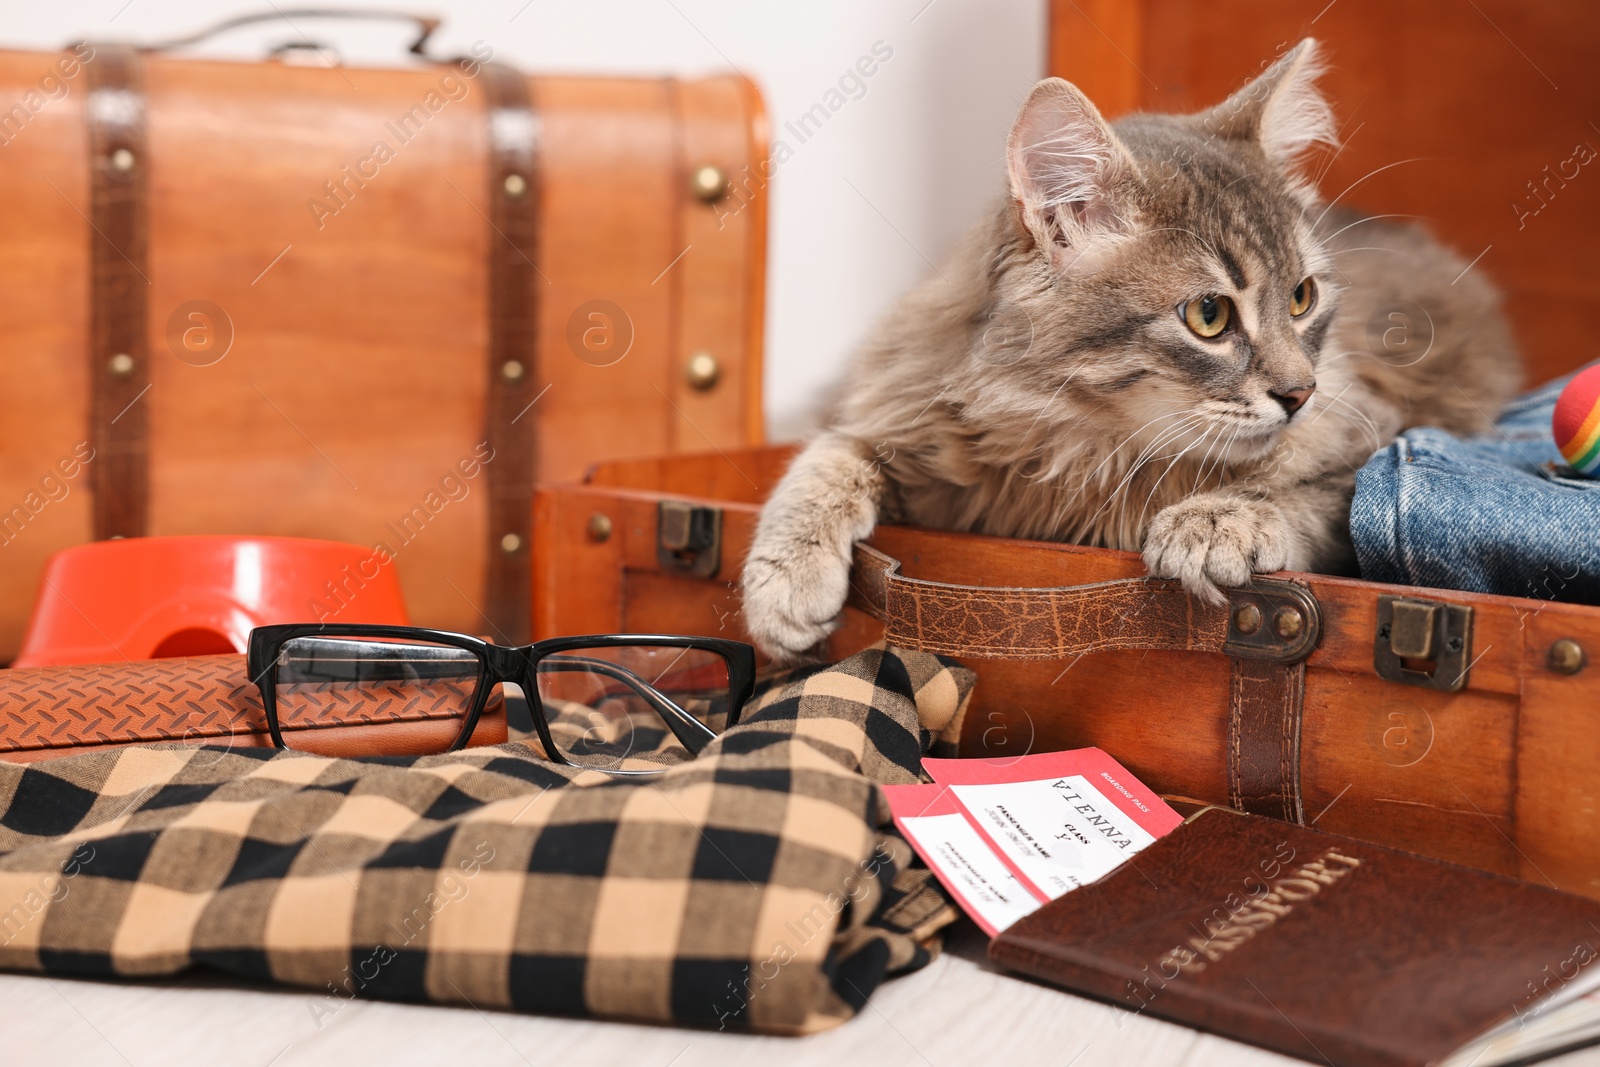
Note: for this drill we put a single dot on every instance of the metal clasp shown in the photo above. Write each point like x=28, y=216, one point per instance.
x=1423, y=642
x=688, y=538
x=1274, y=620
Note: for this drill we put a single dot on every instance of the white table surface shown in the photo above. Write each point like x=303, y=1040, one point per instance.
x=957, y=1011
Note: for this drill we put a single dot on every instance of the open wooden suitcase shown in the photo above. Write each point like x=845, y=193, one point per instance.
x=270, y=298
x=1456, y=725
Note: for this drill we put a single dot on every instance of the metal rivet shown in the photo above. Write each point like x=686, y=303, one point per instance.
x=703, y=371
x=1247, y=620
x=708, y=183
x=1566, y=656
x=510, y=543
x=599, y=526
x=1290, y=622
x=511, y=369
x=122, y=160
x=516, y=185
x=120, y=364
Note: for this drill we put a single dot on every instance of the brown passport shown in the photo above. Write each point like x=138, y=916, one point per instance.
x=1324, y=947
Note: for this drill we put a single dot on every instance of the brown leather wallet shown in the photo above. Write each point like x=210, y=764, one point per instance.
x=56, y=711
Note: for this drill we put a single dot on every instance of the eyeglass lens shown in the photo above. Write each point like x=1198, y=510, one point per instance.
x=612, y=708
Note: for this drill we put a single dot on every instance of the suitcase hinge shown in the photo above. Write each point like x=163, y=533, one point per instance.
x=688, y=538
x=1423, y=642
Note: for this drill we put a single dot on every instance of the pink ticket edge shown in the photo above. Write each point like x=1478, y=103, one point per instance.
x=1092, y=763
x=921, y=801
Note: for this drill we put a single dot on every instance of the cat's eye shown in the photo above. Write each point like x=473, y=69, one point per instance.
x=1304, y=295
x=1207, y=316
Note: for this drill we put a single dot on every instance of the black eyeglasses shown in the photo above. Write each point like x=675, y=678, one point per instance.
x=599, y=702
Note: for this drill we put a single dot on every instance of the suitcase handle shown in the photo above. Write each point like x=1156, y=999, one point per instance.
x=1267, y=631
x=1271, y=619
x=426, y=25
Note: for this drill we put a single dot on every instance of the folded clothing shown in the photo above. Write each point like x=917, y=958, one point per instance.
x=1496, y=513
x=759, y=886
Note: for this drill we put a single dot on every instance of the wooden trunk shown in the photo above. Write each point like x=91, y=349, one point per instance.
x=1498, y=775
x=274, y=299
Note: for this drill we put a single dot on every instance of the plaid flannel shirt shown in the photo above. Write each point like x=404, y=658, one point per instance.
x=759, y=886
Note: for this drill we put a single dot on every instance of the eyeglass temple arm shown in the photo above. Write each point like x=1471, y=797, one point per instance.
x=693, y=734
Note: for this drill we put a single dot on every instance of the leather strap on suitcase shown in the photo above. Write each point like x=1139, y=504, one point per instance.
x=119, y=358
x=513, y=318
x=1266, y=630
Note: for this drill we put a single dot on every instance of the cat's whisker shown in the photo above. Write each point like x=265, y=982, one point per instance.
x=1051, y=402
x=1222, y=456
x=1148, y=454
x=1363, y=221
x=1169, y=434
x=1238, y=431
x=1370, y=174
x=1361, y=418
x=1125, y=441
x=1170, y=467
x=1327, y=164
x=1217, y=454
x=1111, y=497
x=1114, y=498
x=1365, y=431
x=1323, y=406
x=1173, y=462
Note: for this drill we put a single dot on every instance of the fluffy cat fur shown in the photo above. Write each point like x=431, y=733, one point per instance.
x=1045, y=385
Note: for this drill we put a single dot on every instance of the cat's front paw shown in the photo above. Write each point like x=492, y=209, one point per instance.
x=792, y=599
x=1217, y=540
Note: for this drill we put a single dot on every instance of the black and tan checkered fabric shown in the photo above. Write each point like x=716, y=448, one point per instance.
x=758, y=886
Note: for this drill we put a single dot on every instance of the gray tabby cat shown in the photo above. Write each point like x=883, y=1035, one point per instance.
x=1159, y=342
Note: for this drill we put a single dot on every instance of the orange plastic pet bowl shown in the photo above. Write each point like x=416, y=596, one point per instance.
x=153, y=597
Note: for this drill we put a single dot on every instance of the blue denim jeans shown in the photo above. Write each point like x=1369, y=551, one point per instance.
x=1497, y=513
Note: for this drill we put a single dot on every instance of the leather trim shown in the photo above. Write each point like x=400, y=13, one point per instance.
x=1265, y=706
x=119, y=426
x=513, y=316
x=1057, y=622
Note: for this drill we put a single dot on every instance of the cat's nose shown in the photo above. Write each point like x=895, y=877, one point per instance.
x=1294, y=399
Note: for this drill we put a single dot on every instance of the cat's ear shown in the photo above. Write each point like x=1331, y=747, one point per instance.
x=1281, y=109
x=1067, y=170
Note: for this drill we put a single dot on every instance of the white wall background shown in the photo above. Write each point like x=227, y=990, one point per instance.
x=859, y=211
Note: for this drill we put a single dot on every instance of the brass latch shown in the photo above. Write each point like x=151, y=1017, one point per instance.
x=1273, y=619
x=1423, y=642
x=688, y=538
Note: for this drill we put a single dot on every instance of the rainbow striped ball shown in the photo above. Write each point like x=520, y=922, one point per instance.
x=1576, y=421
